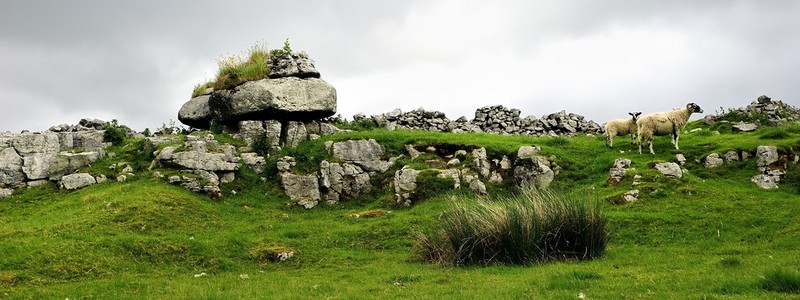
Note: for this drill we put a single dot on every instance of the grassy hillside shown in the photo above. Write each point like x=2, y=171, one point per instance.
x=711, y=234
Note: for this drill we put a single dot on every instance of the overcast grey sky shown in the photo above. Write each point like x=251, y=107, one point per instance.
x=138, y=62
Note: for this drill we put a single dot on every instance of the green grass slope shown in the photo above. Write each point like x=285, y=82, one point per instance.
x=711, y=234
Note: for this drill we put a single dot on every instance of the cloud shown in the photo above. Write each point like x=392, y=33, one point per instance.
x=138, y=62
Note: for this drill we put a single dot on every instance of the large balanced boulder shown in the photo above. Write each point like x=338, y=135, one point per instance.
x=196, y=112
x=283, y=99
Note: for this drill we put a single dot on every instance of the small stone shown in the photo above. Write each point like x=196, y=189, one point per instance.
x=630, y=196
x=669, y=169
x=764, y=181
x=744, y=127
x=712, y=161
x=680, y=158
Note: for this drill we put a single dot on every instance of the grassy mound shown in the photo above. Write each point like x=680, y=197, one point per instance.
x=710, y=234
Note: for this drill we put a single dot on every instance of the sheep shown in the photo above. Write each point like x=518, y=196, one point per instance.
x=622, y=127
x=664, y=123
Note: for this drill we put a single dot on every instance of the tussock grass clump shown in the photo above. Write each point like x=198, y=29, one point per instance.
x=781, y=280
x=775, y=134
x=533, y=226
x=238, y=68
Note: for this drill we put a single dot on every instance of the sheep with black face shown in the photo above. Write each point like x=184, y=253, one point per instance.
x=622, y=127
x=665, y=123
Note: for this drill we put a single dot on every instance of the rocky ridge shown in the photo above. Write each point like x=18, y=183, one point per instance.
x=360, y=160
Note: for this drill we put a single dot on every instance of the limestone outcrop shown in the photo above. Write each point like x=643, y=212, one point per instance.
x=203, y=163
x=28, y=159
x=355, y=163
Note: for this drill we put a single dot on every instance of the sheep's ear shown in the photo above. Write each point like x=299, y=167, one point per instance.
x=632, y=114
x=638, y=113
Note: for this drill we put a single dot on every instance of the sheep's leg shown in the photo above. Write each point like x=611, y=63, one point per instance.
x=640, y=144
x=650, y=142
x=609, y=141
x=675, y=137
x=633, y=139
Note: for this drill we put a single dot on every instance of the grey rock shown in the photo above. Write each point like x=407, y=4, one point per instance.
x=303, y=189
x=496, y=178
x=680, y=159
x=5, y=193
x=481, y=162
x=453, y=174
x=36, y=183
x=378, y=166
x=92, y=123
x=528, y=151
x=293, y=65
x=196, y=112
x=174, y=179
x=669, y=169
x=765, y=181
x=255, y=162
x=730, y=156
x=478, y=187
x=91, y=140
x=64, y=163
x=204, y=161
x=505, y=163
x=273, y=133
x=712, y=161
x=342, y=181
x=533, y=171
x=766, y=156
x=286, y=163
x=405, y=185
x=227, y=177
x=11, y=174
x=618, y=170
x=249, y=130
x=287, y=98
x=295, y=134
x=322, y=128
x=411, y=151
x=358, y=150
x=630, y=196
x=744, y=127
x=76, y=181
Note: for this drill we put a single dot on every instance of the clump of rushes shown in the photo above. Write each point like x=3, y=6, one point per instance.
x=534, y=226
x=239, y=68
x=781, y=280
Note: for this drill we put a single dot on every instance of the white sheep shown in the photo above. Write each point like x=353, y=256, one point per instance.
x=664, y=123
x=622, y=127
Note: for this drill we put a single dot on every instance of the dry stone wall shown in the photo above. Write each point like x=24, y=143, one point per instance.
x=491, y=119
